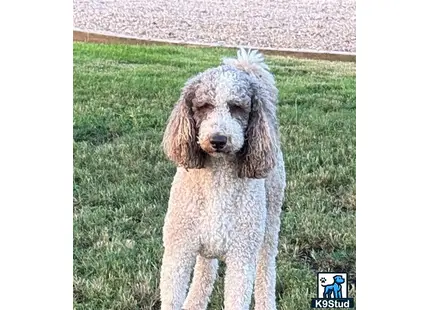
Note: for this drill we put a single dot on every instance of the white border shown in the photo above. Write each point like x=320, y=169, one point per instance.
x=36, y=158
x=392, y=155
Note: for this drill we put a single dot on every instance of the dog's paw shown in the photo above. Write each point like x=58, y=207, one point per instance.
x=323, y=280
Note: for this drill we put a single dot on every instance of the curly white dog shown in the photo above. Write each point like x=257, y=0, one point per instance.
x=226, y=196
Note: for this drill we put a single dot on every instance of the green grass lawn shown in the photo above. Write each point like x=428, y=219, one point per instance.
x=123, y=96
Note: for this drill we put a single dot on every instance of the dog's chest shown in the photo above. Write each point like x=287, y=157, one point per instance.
x=220, y=209
x=224, y=211
x=217, y=222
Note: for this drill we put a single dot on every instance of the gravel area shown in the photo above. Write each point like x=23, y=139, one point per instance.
x=327, y=25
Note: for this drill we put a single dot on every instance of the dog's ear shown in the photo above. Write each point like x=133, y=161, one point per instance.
x=258, y=155
x=180, y=140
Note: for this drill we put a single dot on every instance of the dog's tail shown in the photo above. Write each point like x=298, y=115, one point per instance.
x=252, y=61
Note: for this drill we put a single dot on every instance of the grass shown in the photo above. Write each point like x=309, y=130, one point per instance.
x=122, y=98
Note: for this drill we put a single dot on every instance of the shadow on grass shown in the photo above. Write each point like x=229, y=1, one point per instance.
x=95, y=134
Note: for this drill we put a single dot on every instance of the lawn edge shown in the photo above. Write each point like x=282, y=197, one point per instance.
x=111, y=38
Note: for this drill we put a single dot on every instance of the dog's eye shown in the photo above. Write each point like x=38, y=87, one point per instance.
x=205, y=106
x=234, y=109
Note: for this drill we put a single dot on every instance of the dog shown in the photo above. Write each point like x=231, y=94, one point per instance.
x=226, y=196
x=334, y=290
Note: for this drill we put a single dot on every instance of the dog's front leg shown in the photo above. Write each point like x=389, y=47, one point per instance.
x=175, y=276
x=338, y=293
x=239, y=280
x=205, y=272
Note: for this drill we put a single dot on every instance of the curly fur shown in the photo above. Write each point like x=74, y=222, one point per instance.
x=225, y=203
x=257, y=157
x=179, y=143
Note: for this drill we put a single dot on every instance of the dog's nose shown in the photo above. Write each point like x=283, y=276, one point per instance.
x=218, y=142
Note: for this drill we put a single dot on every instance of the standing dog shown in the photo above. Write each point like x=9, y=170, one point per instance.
x=226, y=196
x=334, y=290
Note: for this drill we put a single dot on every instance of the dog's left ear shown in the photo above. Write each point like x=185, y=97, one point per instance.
x=258, y=155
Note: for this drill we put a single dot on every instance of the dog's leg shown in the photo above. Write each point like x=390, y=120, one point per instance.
x=338, y=292
x=175, y=276
x=239, y=278
x=201, y=288
x=265, y=282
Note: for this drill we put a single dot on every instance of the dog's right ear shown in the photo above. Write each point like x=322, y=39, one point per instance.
x=180, y=136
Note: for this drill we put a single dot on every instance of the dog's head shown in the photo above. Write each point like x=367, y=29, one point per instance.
x=222, y=112
x=338, y=279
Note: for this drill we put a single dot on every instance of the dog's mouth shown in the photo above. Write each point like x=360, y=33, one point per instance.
x=217, y=152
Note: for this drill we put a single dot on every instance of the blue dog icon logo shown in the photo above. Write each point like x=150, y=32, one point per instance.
x=332, y=293
x=334, y=290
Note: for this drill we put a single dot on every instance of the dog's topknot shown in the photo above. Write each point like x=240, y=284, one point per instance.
x=252, y=62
